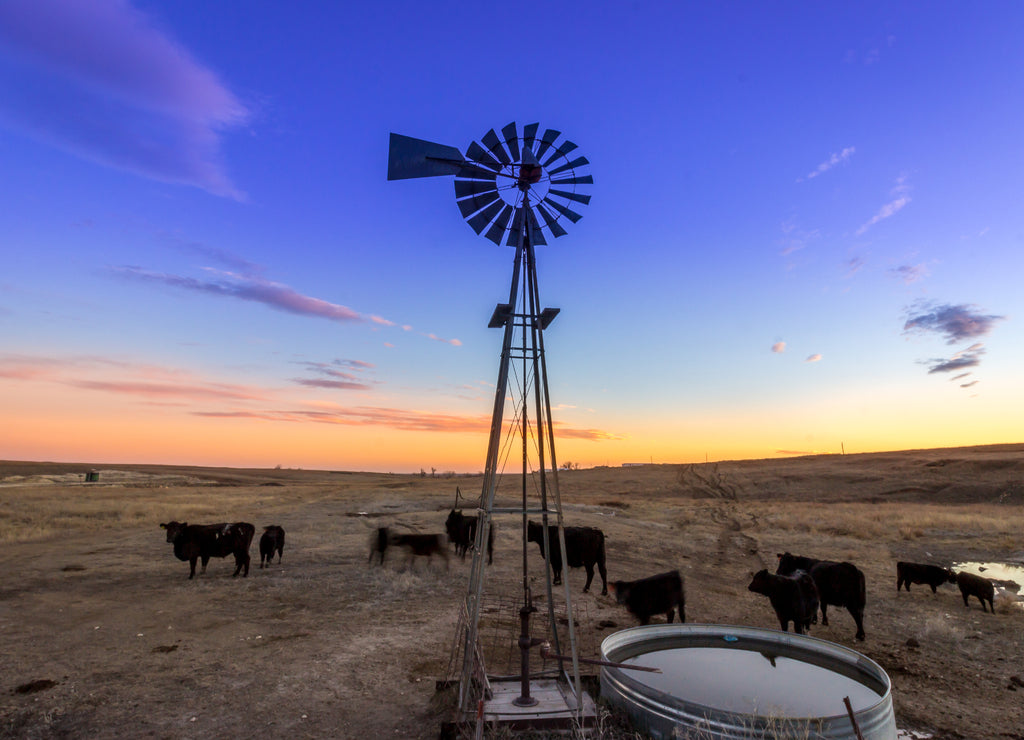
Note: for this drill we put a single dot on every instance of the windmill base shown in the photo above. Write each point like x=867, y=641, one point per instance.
x=553, y=711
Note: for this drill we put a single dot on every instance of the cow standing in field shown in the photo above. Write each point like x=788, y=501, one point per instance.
x=838, y=584
x=794, y=598
x=660, y=594
x=271, y=540
x=379, y=544
x=421, y=544
x=933, y=575
x=584, y=547
x=194, y=542
x=461, y=531
x=972, y=585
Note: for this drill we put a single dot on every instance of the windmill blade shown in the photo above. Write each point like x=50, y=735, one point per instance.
x=497, y=230
x=584, y=199
x=577, y=180
x=493, y=144
x=533, y=228
x=578, y=162
x=481, y=156
x=546, y=141
x=551, y=221
x=512, y=140
x=469, y=206
x=569, y=214
x=561, y=151
x=529, y=134
x=465, y=188
x=409, y=157
x=479, y=221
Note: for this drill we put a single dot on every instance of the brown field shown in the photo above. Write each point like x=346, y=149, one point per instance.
x=103, y=635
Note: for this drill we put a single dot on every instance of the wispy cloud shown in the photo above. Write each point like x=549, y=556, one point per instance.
x=955, y=323
x=833, y=160
x=249, y=288
x=250, y=285
x=779, y=347
x=909, y=274
x=970, y=357
x=814, y=358
x=185, y=392
x=101, y=80
x=901, y=198
x=794, y=238
x=336, y=375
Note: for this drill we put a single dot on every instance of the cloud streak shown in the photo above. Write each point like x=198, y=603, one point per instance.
x=968, y=358
x=833, y=160
x=202, y=397
x=254, y=288
x=140, y=102
x=901, y=198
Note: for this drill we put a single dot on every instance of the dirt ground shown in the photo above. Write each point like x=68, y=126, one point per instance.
x=103, y=635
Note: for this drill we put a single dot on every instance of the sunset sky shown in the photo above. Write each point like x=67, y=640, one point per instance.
x=806, y=232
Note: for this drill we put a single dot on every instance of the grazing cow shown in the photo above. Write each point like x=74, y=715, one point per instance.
x=584, y=547
x=204, y=541
x=462, y=533
x=933, y=575
x=794, y=598
x=839, y=584
x=421, y=544
x=379, y=544
x=272, y=539
x=972, y=585
x=660, y=594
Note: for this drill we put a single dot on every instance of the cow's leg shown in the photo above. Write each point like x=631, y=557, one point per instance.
x=964, y=594
x=824, y=614
x=192, y=568
x=205, y=559
x=682, y=612
x=590, y=576
x=245, y=574
x=858, y=617
x=604, y=577
x=670, y=615
x=558, y=578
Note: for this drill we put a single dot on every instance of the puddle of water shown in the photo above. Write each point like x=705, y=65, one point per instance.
x=1009, y=577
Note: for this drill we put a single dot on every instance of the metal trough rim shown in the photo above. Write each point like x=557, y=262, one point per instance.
x=801, y=647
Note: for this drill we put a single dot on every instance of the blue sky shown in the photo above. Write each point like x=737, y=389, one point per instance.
x=805, y=233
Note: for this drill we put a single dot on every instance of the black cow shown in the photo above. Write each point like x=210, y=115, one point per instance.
x=461, y=531
x=421, y=544
x=660, y=594
x=272, y=539
x=972, y=585
x=584, y=547
x=933, y=575
x=379, y=544
x=839, y=584
x=794, y=598
x=204, y=541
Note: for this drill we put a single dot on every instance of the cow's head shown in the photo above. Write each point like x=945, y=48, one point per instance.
x=950, y=575
x=174, y=529
x=534, y=532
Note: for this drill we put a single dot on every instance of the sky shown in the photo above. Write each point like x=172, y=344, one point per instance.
x=805, y=234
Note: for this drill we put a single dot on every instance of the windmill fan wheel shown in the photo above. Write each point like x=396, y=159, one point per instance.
x=514, y=177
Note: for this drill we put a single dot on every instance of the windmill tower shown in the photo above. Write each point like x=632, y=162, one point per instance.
x=515, y=190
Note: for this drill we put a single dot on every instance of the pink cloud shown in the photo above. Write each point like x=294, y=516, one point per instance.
x=141, y=102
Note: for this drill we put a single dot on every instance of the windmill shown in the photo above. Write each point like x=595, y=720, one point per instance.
x=515, y=189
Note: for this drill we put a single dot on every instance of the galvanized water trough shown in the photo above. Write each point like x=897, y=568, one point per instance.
x=730, y=682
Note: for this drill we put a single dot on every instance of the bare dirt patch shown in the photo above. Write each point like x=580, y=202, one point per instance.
x=103, y=635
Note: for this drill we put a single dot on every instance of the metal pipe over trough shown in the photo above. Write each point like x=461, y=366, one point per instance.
x=735, y=683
